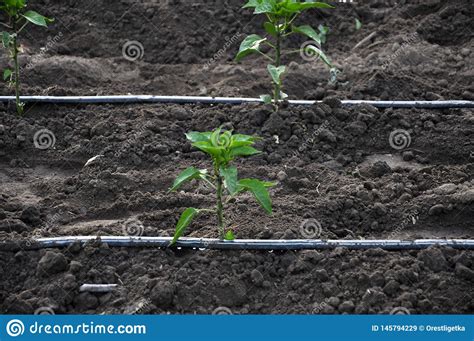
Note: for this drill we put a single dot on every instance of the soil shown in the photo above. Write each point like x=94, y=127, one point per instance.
x=337, y=168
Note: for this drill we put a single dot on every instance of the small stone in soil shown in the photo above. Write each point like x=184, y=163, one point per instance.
x=436, y=210
x=31, y=216
x=13, y=225
x=51, y=263
x=86, y=301
x=433, y=259
x=162, y=294
x=257, y=277
x=464, y=272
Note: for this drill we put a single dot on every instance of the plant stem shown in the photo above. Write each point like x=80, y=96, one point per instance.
x=19, y=107
x=220, y=206
x=277, y=87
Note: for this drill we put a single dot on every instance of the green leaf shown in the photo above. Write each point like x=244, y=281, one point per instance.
x=230, y=177
x=270, y=28
x=252, y=4
x=221, y=140
x=243, y=151
x=323, y=32
x=187, y=175
x=301, y=6
x=267, y=99
x=215, y=137
x=195, y=136
x=358, y=24
x=7, y=73
x=239, y=140
x=15, y=5
x=6, y=39
x=208, y=148
x=323, y=29
x=276, y=73
x=307, y=31
x=229, y=235
x=259, y=191
x=265, y=6
x=269, y=184
x=37, y=19
x=250, y=45
x=183, y=222
x=313, y=50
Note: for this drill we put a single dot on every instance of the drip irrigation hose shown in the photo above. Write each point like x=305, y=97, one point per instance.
x=226, y=100
x=98, y=288
x=244, y=244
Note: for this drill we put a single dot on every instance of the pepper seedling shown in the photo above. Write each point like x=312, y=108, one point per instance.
x=223, y=147
x=280, y=24
x=18, y=18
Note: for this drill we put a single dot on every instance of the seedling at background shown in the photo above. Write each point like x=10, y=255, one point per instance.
x=223, y=147
x=18, y=18
x=280, y=24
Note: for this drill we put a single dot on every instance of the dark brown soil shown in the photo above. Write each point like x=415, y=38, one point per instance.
x=332, y=164
x=416, y=41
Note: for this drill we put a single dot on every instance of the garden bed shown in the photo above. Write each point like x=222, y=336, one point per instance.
x=339, y=173
x=352, y=182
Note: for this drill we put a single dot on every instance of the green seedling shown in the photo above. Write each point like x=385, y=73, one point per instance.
x=18, y=17
x=223, y=147
x=323, y=33
x=280, y=24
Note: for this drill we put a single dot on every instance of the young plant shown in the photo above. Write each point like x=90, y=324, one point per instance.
x=223, y=147
x=18, y=18
x=280, y=24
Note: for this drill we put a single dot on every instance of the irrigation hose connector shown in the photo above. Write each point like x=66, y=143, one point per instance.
x=131, y=99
